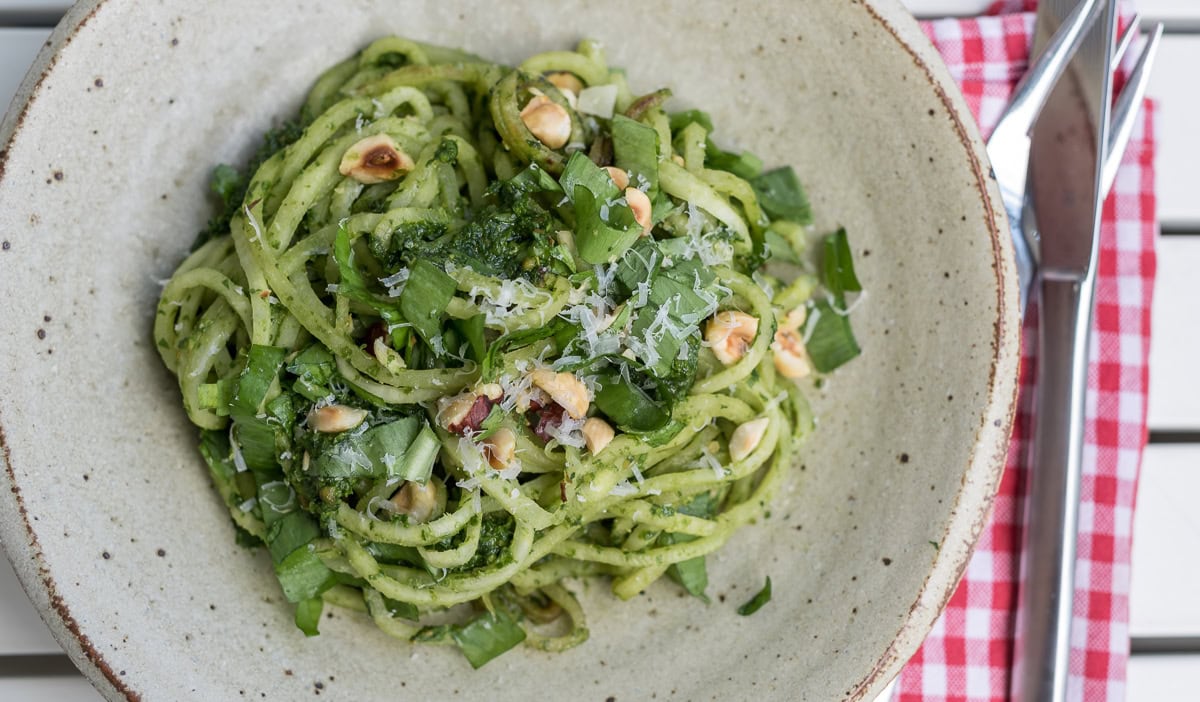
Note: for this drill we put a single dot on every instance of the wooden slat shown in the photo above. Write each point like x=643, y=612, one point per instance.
x=1175, y=337
x=1173, y=84
x=22, y=631
x=1166, y=528
x=1176, y=14
x=44, y=689
x=17, y=49
x=1163, y=678
x=946, y=8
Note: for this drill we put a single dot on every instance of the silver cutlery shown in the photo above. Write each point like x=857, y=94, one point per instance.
x=1074, y=150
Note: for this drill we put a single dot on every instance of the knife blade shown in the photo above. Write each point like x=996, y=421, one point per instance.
x=1068, y=146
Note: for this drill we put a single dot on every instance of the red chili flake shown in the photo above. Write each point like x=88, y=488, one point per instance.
x=545, y=418
x=479, y=411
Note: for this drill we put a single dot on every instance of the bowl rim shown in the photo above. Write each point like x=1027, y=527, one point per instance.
x=969, y=514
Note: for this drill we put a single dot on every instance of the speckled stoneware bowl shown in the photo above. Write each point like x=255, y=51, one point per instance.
x=107, y=511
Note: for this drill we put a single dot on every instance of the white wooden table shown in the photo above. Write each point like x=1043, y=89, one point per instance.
x=1165, y=601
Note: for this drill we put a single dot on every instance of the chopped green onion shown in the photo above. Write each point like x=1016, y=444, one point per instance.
x=418, y=461
x=761, y=598
x=216, y=396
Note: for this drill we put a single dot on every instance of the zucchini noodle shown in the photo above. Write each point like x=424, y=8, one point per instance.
x=464, y=335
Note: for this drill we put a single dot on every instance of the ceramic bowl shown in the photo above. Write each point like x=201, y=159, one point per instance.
x=106, y=509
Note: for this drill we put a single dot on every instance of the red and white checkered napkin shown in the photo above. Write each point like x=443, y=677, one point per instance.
x=969, y=654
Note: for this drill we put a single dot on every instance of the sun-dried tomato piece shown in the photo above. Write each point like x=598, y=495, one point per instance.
x=544, y=418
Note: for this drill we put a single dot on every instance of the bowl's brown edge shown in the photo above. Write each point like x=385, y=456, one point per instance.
x=914, y=629
x=38, y=584
x=1002, y=386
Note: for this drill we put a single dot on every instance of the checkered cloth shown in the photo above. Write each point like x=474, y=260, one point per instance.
x=969, y=654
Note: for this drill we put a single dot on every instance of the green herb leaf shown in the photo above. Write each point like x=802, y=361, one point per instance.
x=534, y=179
x=292, y=531
x=276, y=499
x=388, y=443
x=639, y=265
x=780, y=249
x=513, y=341
x=680, y=298
x=744, y=165
x=581, y=171
x=303, y=576
x=404, y=610
x=313, y=367
x=781, y=196
x=692, y=574
x=600, y=238
x=837, y=267
x=424, y=300
x=308, y=615
x=629, y=406
x=214, y=447
x=830, y=340
x=756, y=602
x=255, y=436
x=635, y=148
x=472, y=330
x=351, y=283
x=679, y=120
x=491, y=423
x=487, y=636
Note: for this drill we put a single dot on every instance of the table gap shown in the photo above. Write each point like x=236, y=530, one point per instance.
x=38, y=665
x=29, y=19
x=1163, y=645
x=1174, y=436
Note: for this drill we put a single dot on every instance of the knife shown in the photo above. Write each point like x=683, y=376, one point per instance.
x=1068, y=144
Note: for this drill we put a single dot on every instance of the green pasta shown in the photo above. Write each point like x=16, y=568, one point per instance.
x=464, y=334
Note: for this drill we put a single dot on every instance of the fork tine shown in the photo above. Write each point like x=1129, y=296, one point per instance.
x=1033, y=90
x=1126, y=39
x=1125, y=112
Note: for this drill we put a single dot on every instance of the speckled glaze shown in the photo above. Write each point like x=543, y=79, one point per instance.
x=109, y=517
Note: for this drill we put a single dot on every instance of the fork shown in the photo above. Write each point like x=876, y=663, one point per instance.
x=1009, y=145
